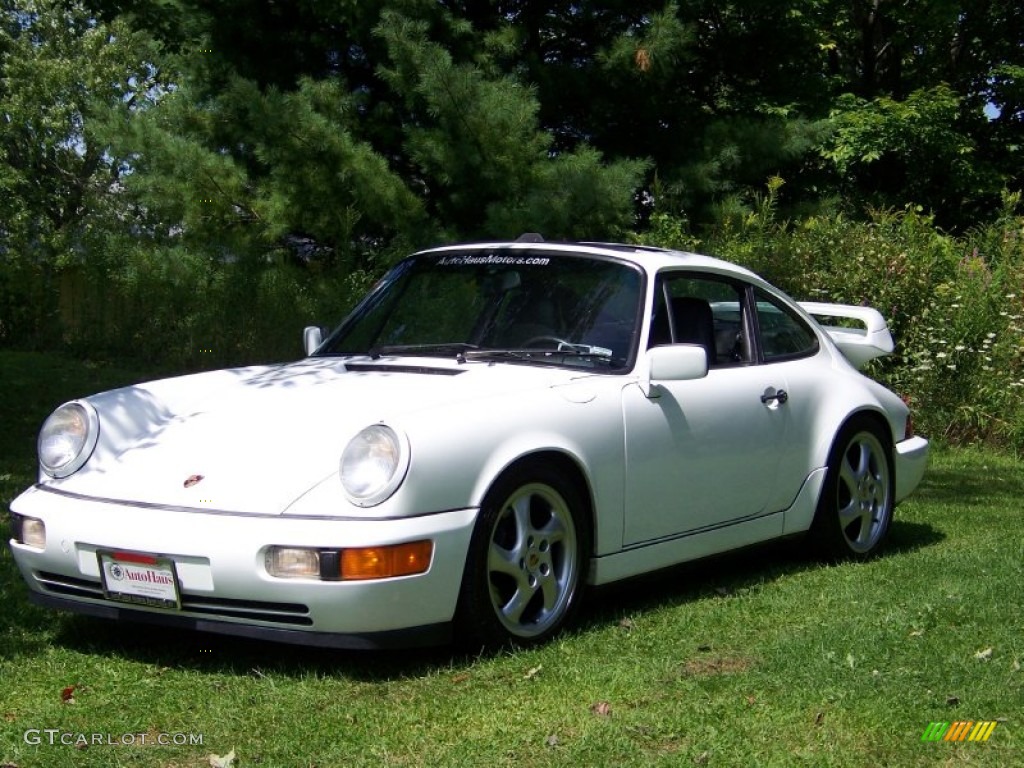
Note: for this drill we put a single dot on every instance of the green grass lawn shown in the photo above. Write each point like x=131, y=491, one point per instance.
x=758, y=659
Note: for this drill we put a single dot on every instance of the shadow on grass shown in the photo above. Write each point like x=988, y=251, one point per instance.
x=976, y=485
x=730, y=573
x=224, y=655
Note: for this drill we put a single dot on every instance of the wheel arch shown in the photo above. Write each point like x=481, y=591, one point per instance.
x=831, y=422
x=565, y=464
x=801, y=512
x=875, y=416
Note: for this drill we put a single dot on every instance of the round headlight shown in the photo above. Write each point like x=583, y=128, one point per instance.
x=68, y=438
x=373, y=465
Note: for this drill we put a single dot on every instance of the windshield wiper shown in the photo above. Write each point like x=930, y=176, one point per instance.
x=446, y=349
x=546, y=356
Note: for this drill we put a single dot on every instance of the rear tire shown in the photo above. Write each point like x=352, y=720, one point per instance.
x=856, y=504
x=527, y=560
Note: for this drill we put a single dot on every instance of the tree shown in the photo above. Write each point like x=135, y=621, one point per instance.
x=716, y=97
x=63, y=76
x=915, y=86
x=477, y=151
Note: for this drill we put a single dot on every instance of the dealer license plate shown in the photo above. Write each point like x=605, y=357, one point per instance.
x=136, y=577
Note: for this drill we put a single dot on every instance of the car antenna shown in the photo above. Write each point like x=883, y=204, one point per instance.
x=530, y=237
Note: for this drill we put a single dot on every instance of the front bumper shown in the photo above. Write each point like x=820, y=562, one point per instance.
x=224, y=586
x=911, y=461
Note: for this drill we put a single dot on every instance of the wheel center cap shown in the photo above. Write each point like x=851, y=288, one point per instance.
x=532, y=560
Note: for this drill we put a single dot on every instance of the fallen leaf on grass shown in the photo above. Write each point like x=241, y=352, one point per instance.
x=626, y=624
x=1015, y=666
x=216, y=761
x=952, y=701
x=533, y=672
x=552, y=740
x=984, y=655
x=702, y=758
x=601, y=709
x=819, y=718
x=68, y=694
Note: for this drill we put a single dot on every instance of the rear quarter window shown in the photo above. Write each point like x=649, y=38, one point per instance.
x=783, y=334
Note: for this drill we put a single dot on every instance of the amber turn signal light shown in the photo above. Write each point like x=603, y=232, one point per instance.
x=386, y=562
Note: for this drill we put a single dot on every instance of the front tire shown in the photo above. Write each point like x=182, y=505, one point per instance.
x=856, y=504
x=526, y=564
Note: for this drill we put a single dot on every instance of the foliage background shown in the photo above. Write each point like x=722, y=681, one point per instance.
x=188, y=185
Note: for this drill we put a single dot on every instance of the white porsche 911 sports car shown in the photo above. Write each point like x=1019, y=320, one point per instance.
x=494, y=428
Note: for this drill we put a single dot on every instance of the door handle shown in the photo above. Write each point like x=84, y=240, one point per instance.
x=780, y=396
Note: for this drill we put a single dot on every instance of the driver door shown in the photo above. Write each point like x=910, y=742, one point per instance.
x=703, y=454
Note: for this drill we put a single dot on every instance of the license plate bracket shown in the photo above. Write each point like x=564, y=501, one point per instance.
x=140, y=578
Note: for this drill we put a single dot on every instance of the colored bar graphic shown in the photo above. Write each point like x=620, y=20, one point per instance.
x=961, y=730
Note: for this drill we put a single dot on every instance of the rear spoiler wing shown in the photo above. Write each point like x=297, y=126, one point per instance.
x=859, y=345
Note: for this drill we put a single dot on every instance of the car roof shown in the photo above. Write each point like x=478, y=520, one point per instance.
x=650, y=258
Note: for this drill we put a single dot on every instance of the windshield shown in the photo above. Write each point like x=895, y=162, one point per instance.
x=524, y=306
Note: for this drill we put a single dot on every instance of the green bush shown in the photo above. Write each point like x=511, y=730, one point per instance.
x=176, y=310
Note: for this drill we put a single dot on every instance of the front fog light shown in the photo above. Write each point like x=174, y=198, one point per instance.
x=373, y=465
x=293, y=563
x=29, y=531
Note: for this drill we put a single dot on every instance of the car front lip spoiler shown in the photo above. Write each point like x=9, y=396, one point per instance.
x=412, y=637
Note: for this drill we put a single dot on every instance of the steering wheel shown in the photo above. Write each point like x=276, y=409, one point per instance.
x=538, y=340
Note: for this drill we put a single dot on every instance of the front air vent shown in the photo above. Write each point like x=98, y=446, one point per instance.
x=292, y=614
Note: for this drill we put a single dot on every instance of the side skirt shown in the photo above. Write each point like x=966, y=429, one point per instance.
x=694, y=546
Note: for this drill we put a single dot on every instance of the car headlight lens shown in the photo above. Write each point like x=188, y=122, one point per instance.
x=373, y=465
x=68, y=438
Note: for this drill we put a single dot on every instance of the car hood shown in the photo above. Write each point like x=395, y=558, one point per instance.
x=256, y=439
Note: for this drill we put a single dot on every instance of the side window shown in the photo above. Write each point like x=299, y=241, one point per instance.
x=705, y=310
x=783, y=334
